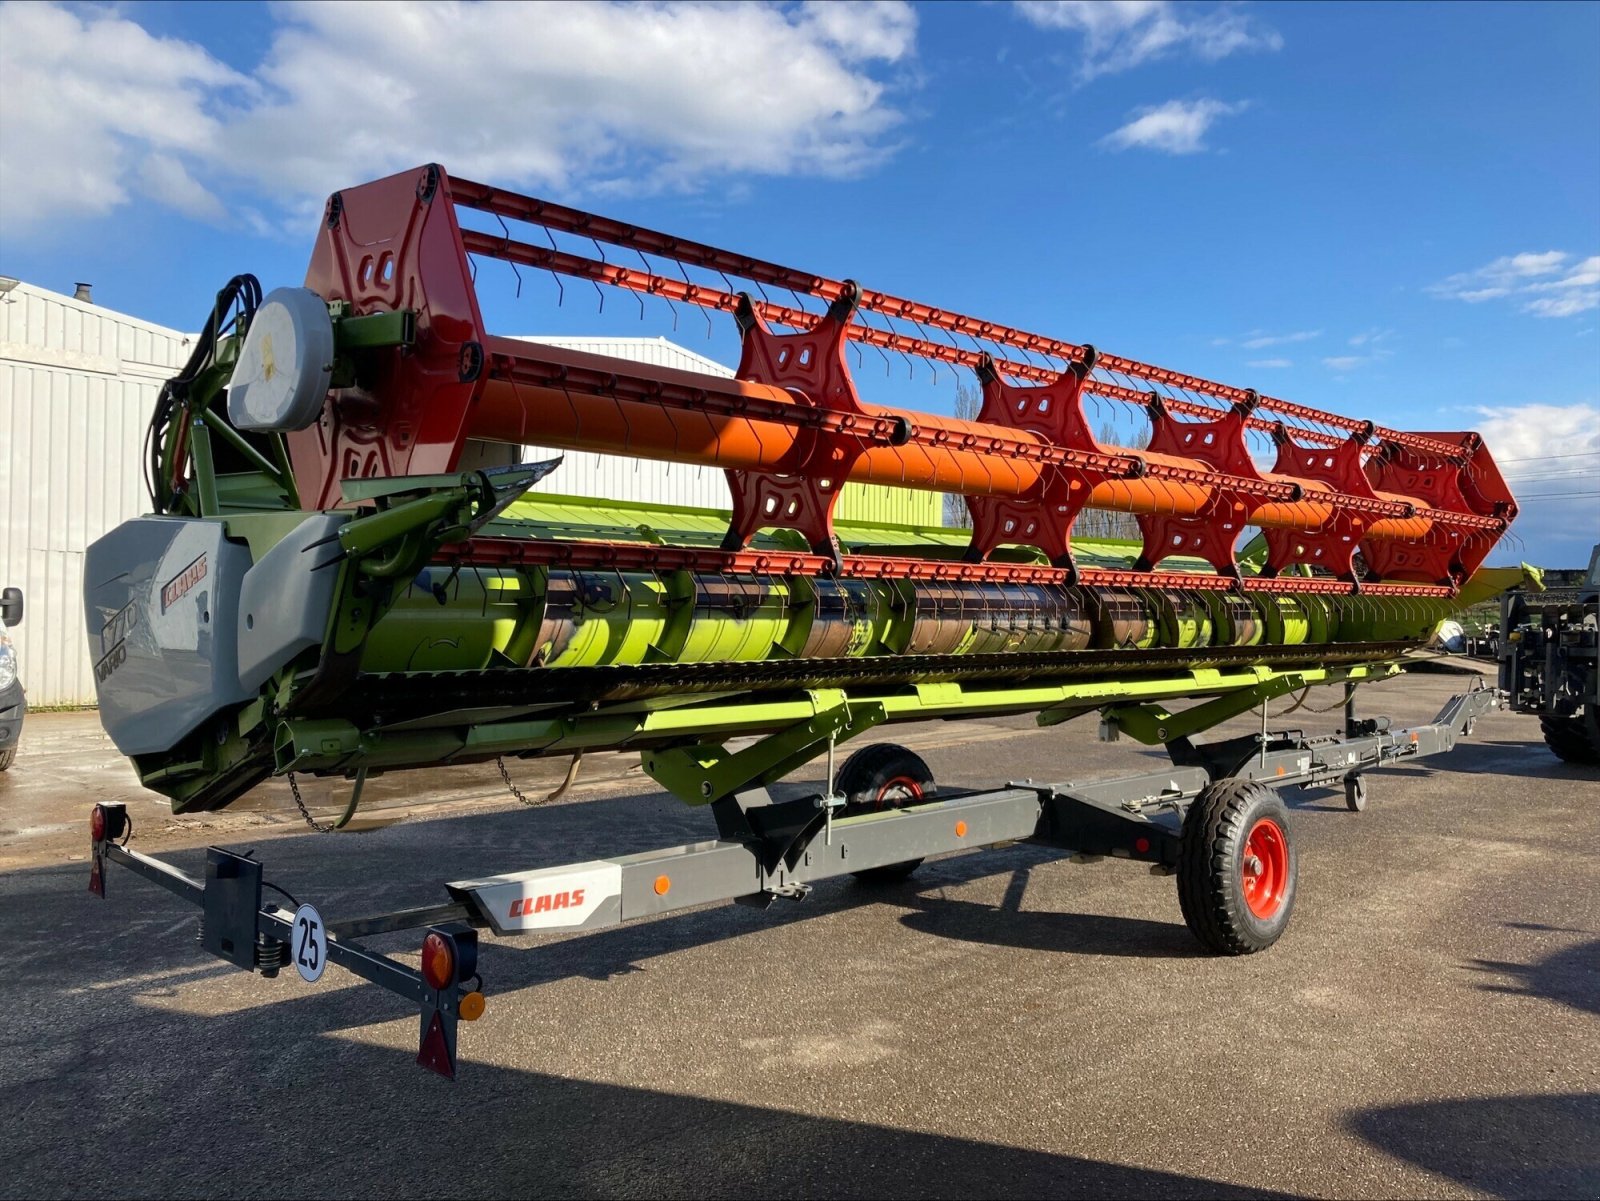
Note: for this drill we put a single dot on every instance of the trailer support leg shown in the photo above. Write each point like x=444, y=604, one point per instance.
x=1154, y=724
x=706, y=772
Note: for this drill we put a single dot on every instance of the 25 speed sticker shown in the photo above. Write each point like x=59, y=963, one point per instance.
x=308, y=944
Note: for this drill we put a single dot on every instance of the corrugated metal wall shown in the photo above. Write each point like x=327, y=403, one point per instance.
x=617, y=478
x=77, y=384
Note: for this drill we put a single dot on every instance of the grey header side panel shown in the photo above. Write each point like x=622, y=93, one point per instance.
x=285, y=599
x=161, y=607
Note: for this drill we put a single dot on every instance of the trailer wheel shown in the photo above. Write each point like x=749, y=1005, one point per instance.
x=1237, y=866
x=878, y=777
x=1355, y=792
x=1574, y=739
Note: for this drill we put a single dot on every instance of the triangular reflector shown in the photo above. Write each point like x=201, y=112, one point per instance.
x=435, y=1052
x=97, y=882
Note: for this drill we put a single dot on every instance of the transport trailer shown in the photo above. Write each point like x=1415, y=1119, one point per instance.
x=1214, y=820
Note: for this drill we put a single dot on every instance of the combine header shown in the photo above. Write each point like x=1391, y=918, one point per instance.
x=346, y=571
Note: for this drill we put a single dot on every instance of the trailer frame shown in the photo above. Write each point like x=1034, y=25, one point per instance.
x=769, y=850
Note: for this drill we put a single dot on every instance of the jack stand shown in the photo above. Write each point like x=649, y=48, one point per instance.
x=830, y=801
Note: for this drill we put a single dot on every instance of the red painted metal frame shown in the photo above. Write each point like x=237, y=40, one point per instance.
x=810, y=365
x=1449, y=551
x=1211, y=534
x=503, y=203
x=638, y=556
x=399, y=250
x=648, y=283
x=792, y=428
x=1333, y=545
x=1043, y=517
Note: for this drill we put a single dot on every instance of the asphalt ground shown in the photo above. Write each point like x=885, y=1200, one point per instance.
x=1007, y=1023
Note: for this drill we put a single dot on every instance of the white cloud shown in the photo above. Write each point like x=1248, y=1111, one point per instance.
x=1122, y=34
x=1371, y=337
x=1345, y=362
x=863, y=31
x=1176, y=127
x=1524, y=439
x=1580, y=275
x=1257, y=340
x=89, y=102
x=1575, y=290
x=568, y=96
x=1569, y=305
x=1274, y=363
x=1550, y=456
x=165, y=180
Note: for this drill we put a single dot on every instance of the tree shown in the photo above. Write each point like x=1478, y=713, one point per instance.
x=1110, y=523
x=968, y=401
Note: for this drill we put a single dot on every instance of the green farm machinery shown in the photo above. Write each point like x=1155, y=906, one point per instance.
x=349, y=569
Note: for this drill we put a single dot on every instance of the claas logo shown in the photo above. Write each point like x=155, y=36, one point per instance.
x=547, y=902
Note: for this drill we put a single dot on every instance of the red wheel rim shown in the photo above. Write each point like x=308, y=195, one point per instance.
x=899, y=791
x=1264, y=872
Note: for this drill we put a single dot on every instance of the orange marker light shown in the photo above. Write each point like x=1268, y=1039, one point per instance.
x=663, y=885
x=438, y=961
x=472, y=1006
x=961, y=829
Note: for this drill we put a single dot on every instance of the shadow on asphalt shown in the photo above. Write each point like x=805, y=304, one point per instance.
x=247, y=1116
x=1517, y=1146
x=144, y=1099
x=1570, y=977
x=1010, y=925
x=1475, y=755
x=109, y=1095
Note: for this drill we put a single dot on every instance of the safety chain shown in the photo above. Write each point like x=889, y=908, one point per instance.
x=500, y=762
x=572, y=774
x=294, y=791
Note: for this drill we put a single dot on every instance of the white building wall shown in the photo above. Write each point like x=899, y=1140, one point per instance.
x=77, y=386
x=613, y=477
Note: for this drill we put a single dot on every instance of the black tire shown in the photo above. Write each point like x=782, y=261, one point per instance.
x=1355, y=793
x=1230, y=914
x=878, y=777
x=6, y=757
x=1574, y=739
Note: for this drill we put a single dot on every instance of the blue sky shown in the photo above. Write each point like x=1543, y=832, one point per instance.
x=1385, y=210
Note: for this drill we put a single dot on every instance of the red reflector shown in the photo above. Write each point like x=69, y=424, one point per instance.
x=97, y=824
x=438, y=961
x=97, y=881
x=435, y=1052
x=1141, y=844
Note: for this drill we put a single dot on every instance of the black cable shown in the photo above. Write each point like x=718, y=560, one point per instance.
x=243, y=291
x=284, y=892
